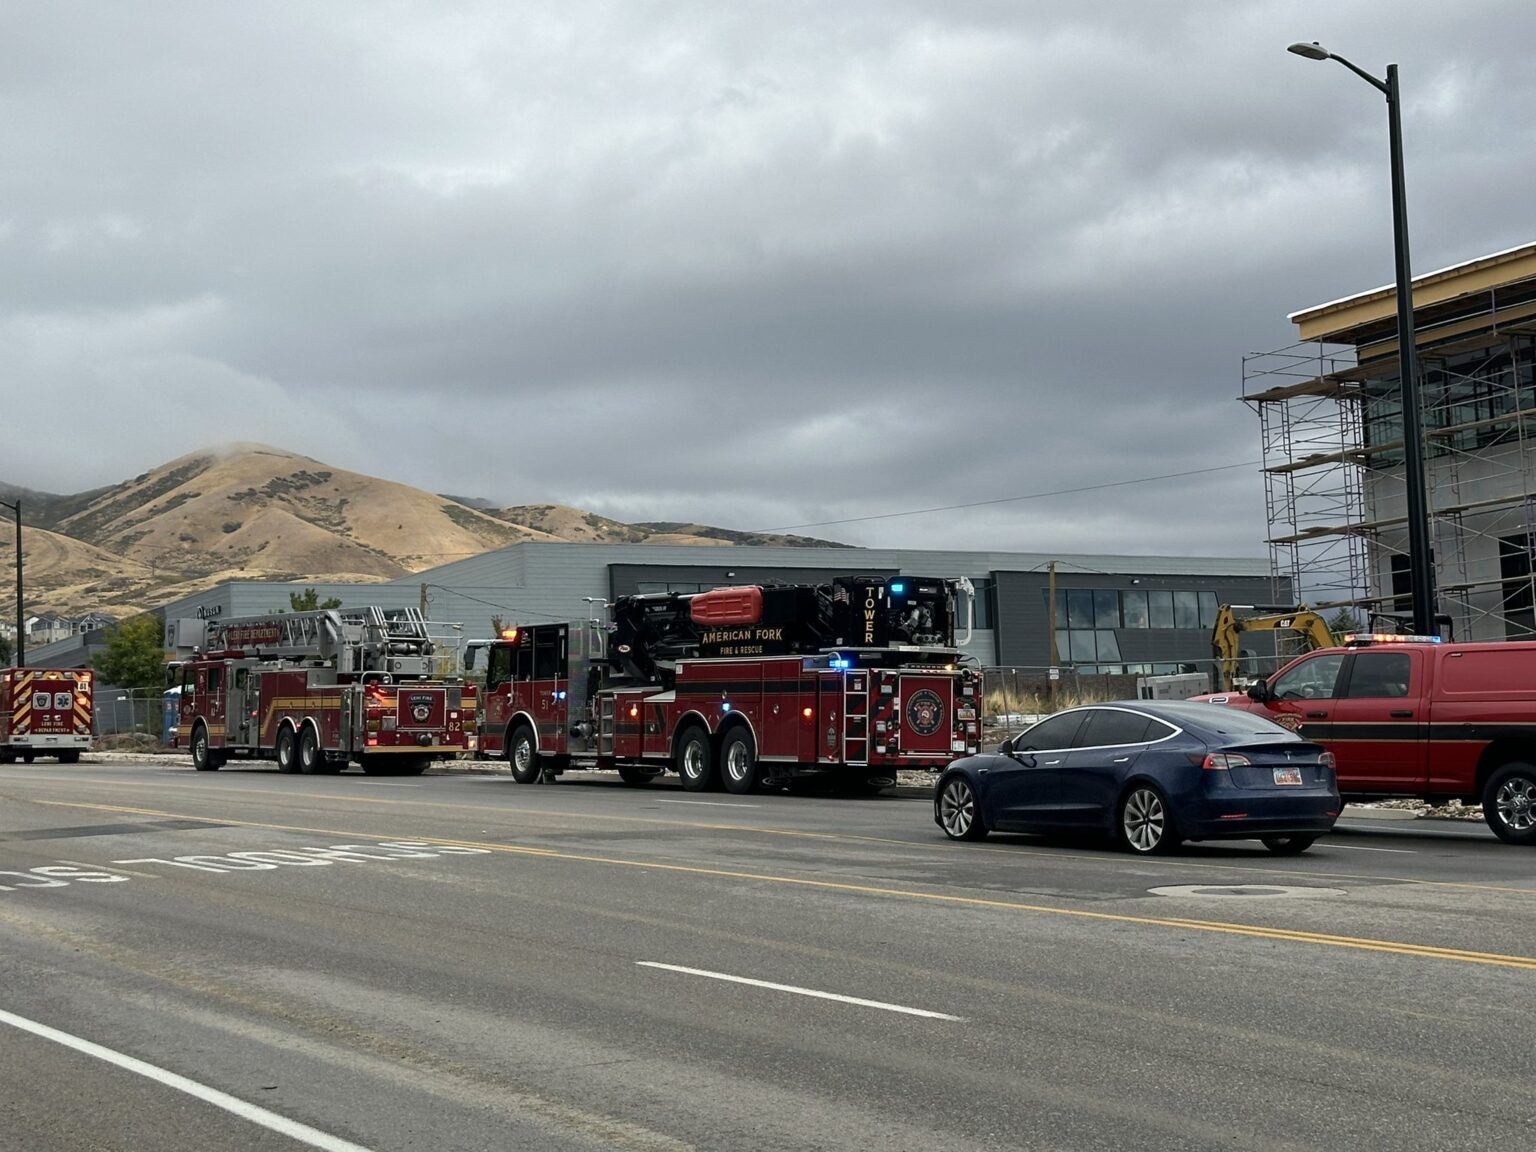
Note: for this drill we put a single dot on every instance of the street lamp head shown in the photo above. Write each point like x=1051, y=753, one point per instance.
x=1312, y=51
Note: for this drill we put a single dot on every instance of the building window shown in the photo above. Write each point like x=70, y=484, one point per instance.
x=1519, y=610
x=1160, y=609
x=1186, y=610
x=1134, y=606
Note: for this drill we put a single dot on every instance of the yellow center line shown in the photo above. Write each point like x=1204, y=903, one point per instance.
x=1017, y=851
x=1289, y=935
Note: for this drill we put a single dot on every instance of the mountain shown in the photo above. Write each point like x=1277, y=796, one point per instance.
x=248, y=511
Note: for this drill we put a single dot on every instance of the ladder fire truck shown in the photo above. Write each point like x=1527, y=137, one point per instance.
x=316, y=691
x=44, y=712
x=747, y=687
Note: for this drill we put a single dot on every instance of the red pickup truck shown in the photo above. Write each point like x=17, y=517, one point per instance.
x=1414, y=717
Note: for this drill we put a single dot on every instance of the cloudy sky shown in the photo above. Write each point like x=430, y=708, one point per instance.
x=754, y=264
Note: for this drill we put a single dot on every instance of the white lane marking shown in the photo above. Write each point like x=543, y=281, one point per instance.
x=386, y=784
x=710, y=803
x=1363, y=848
x=801, y=991
x=303, y=1133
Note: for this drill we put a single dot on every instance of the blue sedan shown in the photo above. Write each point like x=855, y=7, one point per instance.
x=1151, y=774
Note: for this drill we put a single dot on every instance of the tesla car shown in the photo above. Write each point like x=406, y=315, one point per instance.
x=1149, y=773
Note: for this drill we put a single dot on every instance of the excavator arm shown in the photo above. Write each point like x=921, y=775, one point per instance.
x=1226, y=636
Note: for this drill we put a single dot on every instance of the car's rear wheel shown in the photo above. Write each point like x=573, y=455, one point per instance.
x=959, y=811
x=1288, y=845
x=1509, y=803
x=1145, y=825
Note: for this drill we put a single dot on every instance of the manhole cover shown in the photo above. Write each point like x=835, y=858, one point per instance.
x=1264, y=891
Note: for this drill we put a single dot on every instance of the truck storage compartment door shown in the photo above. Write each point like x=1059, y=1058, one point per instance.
x=925, y=716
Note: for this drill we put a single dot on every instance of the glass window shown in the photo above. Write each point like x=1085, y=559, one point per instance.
x=1061, y=607
x=215, y=679
x=548, y=648
x=1107, y=726
x=1157, y=730
x=1164, y=669
x=1106, y=609
x=522, y=662
x=1310, y=680
x=1053, y=732
x=1208, y=608
x=649, y=588
x=1079, y=608
x=1108, y=645
x=1160, y=609
x=1379, y=674
x=1080, y=648
x=498, y=667
x=1134, y=606
x=1186, y=610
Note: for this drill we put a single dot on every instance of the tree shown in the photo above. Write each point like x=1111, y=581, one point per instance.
x=5, y=650
x=310, y=601
x=135, y=654
x=1343, y=621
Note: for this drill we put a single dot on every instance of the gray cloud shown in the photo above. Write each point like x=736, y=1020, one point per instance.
x=755, y=264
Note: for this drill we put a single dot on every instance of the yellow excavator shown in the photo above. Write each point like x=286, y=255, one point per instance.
x=1226, y=637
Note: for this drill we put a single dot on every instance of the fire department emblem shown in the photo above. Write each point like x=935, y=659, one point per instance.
x=925, y=711
x=1288, y=720
x=421, y=709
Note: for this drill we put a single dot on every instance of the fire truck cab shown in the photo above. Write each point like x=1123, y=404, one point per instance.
x=741, y=687
x=44, y=712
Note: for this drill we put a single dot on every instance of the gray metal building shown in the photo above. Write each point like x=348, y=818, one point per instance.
x=1114, y=614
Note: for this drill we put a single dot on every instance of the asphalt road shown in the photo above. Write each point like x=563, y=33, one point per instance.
x=460, y=962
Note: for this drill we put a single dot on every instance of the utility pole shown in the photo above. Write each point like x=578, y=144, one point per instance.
x=423, y=601
x=21, y=636
x=1050, y=632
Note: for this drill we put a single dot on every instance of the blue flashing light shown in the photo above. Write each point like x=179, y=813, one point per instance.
x=725, y=706
x=898, y=588
x=841, y=663
x=559, y=695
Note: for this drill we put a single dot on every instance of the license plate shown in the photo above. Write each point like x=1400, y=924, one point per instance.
x=1287, y=775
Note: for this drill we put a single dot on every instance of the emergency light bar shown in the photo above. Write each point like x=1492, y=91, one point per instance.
x=1366, y=639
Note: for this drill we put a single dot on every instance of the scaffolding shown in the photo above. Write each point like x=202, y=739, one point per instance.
x=1330, y=420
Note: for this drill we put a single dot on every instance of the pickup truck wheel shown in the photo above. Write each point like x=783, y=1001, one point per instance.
x=1509, y=803
x=1288, y=845
x=523, y=755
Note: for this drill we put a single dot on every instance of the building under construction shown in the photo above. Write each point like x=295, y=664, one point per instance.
x=1330, y=414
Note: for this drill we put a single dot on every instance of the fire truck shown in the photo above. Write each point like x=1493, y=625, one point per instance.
x=316, y=691
x=748, y=687
x=44, y=712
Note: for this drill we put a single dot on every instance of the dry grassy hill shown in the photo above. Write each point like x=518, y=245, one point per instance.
x=252, y=512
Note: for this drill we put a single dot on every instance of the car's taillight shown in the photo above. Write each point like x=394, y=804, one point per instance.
x=1218, y=760
x=1327, y=761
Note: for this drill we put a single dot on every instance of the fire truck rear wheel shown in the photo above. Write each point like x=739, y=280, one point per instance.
x=287, y=751
x=311, y=759
x=696, y=760
x=738, y=763
x=635, y=776
x=1509, y=803
x=7, y=756
x=523, y=755
x=28, y=757
x=71, y=757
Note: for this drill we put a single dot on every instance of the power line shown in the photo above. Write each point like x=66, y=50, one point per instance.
x=1014, y=499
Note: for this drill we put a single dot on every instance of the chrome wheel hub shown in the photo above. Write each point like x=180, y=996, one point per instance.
x=693, y=760
x=736, y=762
x=522, y=755
x=1516, y=804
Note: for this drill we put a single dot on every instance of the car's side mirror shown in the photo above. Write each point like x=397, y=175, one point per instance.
x=1259, y=692
x=1006, y=747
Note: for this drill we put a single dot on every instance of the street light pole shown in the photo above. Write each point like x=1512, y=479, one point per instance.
x=1421, y=569
x=21, y=639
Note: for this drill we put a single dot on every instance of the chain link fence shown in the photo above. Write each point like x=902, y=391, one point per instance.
x=121, y=712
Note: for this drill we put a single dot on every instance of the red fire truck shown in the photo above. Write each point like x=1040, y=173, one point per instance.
x=746, y=687
x=44, y=712
x=316, y=691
